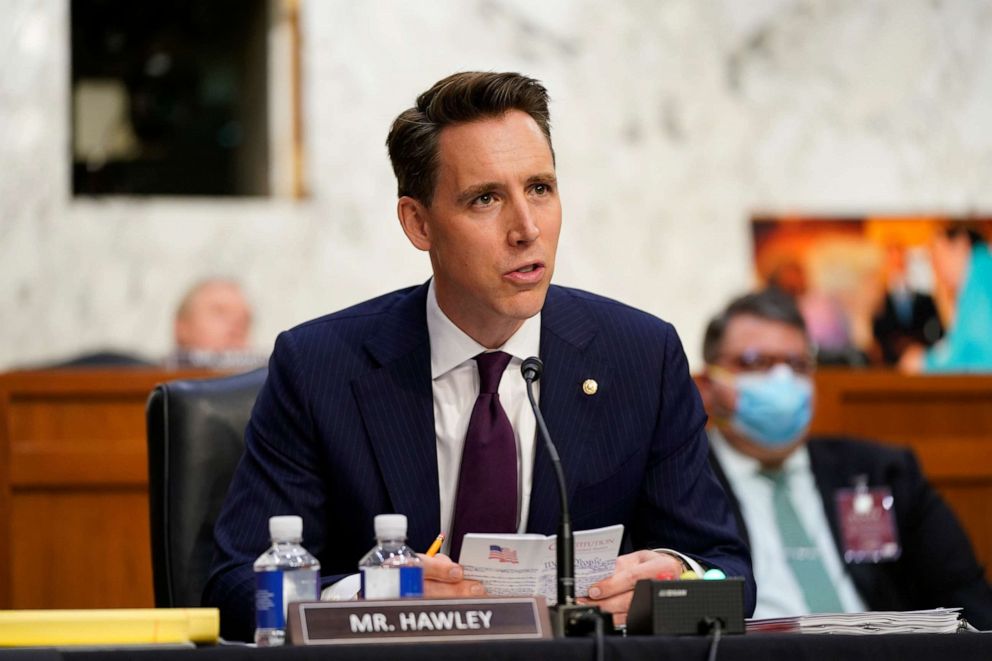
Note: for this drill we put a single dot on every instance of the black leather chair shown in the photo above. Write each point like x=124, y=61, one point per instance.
x=195, y=440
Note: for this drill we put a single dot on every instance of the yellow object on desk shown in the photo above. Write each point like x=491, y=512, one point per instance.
x=117, y=626
x=436, y=546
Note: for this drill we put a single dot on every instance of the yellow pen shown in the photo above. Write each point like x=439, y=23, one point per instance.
x=436, y=546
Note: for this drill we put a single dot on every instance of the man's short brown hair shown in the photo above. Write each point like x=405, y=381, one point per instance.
x=769, y=304
x=462, y=97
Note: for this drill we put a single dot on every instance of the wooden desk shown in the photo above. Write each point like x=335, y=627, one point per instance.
x=73, y=470
x=73, y=488
x=947, y=420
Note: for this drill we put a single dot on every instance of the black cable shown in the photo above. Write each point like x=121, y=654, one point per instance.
x=600, y=639
x=715, y=630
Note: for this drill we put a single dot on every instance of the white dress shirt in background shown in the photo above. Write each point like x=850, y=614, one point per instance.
x=779, y=593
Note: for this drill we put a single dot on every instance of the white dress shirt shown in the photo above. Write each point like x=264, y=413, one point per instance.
x=455, y=379
x=779, y=593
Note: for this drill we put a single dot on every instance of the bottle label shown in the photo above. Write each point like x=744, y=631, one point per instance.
x=270, y=611
x=300, y=585
x=392, y=582
x=276, y=590
x=412, y=581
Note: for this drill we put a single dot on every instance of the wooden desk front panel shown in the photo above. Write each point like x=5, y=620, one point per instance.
x=74, y=529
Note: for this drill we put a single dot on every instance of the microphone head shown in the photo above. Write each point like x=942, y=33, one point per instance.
x=532, y=368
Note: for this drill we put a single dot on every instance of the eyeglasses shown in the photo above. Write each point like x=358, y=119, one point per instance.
x=756, y=361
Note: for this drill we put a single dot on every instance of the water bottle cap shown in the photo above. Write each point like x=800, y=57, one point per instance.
x=390, y=526
x=285, y=528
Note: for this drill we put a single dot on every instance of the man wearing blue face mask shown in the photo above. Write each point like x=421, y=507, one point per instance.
x=834, y=525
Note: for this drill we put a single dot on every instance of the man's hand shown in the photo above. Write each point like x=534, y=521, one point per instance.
x=613, y=594
x=444, y=578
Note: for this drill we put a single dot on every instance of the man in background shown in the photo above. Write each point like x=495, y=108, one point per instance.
x=834, y=524
x=905, y=317
x=212, y=327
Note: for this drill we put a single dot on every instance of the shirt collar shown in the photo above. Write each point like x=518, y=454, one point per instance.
x=738, y=464
x=450, y=346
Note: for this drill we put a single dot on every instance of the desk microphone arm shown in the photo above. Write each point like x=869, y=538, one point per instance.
x=567, y=617
x=532, y=369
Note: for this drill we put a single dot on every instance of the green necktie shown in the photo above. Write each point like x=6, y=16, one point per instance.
x=801, y=552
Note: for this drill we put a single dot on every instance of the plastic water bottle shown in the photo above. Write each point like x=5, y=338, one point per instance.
x=283, y=574
x=391, y=569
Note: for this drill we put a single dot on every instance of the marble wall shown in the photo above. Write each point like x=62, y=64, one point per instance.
x=674, y=120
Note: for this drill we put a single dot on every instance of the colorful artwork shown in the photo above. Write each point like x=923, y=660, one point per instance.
x=870, y=288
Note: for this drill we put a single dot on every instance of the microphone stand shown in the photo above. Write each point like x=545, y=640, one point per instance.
x=568, y=618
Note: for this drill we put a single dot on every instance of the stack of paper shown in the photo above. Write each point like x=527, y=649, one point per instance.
x=937, y=620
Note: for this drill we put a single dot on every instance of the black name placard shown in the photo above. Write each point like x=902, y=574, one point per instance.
x=417, y=620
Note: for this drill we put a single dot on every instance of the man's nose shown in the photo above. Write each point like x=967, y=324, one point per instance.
x=523, y=223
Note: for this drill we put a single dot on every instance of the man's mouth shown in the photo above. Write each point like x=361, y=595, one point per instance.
x=528, y=274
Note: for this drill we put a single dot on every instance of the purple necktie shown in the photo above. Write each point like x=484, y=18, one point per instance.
x=487, y=482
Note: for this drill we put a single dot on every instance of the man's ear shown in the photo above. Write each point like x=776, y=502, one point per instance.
x=414, y=220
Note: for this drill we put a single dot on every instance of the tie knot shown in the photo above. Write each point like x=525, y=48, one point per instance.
x=491, y=366
x=778, y=477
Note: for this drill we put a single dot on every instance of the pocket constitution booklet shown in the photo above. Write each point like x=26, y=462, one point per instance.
x=517, y=565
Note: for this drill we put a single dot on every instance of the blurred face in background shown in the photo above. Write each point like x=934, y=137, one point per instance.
x=951, y=256
x=778, y=356
x=214, y=317
x=895, y=264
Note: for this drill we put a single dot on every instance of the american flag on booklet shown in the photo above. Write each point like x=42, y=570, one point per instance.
x=502, y=553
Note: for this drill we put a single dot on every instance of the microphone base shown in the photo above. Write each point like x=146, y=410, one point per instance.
x=576, y=620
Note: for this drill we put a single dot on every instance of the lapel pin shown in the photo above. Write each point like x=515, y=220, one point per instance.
x=589, y=386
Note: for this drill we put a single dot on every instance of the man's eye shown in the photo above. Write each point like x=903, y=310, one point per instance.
x=542, y=189
x=485, y=199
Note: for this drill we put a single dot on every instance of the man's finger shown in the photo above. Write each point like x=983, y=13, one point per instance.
x=631, y=568
x=617, y=605
x=441, y=568
x=457, y=589
x=608, y=587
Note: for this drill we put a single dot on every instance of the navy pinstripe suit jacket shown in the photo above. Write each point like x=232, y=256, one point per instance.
x=343, y=429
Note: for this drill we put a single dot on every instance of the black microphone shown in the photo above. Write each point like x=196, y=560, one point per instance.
x=569, y=618
x=532, y=369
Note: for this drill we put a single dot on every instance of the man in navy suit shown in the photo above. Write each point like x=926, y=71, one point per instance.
x=365, y=411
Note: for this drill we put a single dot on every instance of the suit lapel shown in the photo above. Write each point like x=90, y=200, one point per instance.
x=572, y=417
x=396, y=404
